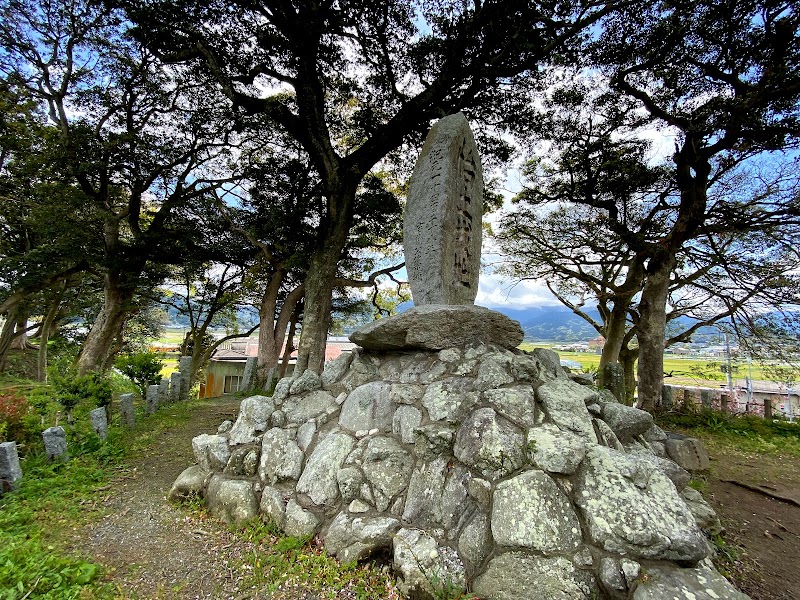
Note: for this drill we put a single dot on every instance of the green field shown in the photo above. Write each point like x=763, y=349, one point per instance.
x=704, y=372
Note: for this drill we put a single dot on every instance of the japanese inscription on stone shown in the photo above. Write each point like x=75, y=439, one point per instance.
x=442, y=233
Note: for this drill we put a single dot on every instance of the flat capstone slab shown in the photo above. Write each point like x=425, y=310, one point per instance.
x=442, y=226
x=437, y=326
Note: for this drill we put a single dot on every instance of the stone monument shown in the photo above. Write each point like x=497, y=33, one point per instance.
x=476, y=465
x=99, y=420
x=10, y=471
x=442, y=243
x=55, y=443
x=126, y=409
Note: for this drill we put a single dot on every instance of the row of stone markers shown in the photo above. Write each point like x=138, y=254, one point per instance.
x=171, y=389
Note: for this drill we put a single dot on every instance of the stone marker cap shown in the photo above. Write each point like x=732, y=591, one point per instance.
x=442, y=230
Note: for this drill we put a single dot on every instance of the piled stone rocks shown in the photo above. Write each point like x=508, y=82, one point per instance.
x=477, y=466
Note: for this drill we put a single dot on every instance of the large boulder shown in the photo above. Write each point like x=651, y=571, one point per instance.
x=520, y=576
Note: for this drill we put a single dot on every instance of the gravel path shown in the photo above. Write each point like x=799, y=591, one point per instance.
x=151, y=548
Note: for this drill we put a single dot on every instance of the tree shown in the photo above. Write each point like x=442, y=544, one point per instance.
x=724, y=77
x=352, y=82
x=135, y=136
x=595, y=158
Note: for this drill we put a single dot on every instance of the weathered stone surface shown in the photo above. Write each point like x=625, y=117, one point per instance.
x=151, y=399
x=126, y=409
x=175, y=386
x=368, y=407
x=273, y=504
x=249, y=370
x=387, y=467
x=305, y=435
x=281, y=458
x=420, y=561
x=350, y=480
x=10, y=471
x=433, y=440
x=436, y=327
x=493, y=372
x=232, y=500
x=308, y=407
x=554, y=450
x=319, y=476
x=480, y=490
x=626, y=421
x=281, y=390
x=355, y=538
x=191, y=482
x=630, y=507
x=705, y=516
x=550, y=364
x=406, y=393
x=307, y=382
x=243, y=461
x=613, y=379
x=443, y=216
x=299, y=522
x=211, y=451
x=490, y=443
x=677, y=475
x=530, y=512
x=163, y=391
x=654, y=434
x=449, y=400
x=254, y=415
x=525, y=368
x=406, y=418
x=99, y=419
x=514, y=403
x=612, y=579
x=475, y=541
x=606, y=436
x=518, y=576
x=437, y=495
x=335, y=369
x=565, y=403
x=701, y=583
x=185, y=370
x=55, y=443
x=689, y=453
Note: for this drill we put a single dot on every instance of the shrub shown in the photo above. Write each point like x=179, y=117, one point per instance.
x=13, y=410
x=143, y=368
x=71, y=389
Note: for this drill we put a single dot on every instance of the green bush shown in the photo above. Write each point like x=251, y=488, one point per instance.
x=142, y=368
x=71, y=389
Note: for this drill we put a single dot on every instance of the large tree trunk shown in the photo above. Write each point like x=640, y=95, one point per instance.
x=272, y=334
x=650, y=331
x=287, y=354
x=44, y=335
x=107, y=326
x=319, y=283
x=21, y=341
x=8, y=333
x=628, y=358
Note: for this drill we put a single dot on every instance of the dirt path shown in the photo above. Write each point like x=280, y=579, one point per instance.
x=766, y=530
x=151, y=548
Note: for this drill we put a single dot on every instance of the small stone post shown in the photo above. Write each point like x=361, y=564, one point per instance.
x=174, y=387
x=185, y=363
x=706, y=399
x=249, y=369
x=613, y=379
x=163, y=391
x=99, y=422
x=10, y=471
x=687, y=399
x=151, y=399
x=55, y=443
x=723, y=399
x=126, y=409
x=666, y=397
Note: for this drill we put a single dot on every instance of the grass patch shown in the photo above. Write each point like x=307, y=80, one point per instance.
x=279, y=563
x=744, y=433
x=53, y=498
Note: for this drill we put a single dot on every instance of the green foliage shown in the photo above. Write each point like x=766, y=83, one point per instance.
x=746, y=432
x=93, y=387
x=142, y=368
x=51, y=496
x=13, y=409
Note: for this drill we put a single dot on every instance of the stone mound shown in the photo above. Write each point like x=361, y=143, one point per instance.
x=479, y=467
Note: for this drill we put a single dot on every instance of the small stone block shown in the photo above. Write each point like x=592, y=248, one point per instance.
x=55, y=443
x=99, y=420
x=126, y=409
x=174, y=387
x=10, y=471
x=151, y=399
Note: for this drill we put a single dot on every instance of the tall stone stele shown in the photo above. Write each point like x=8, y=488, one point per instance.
x=442, y=245
x=442, y=229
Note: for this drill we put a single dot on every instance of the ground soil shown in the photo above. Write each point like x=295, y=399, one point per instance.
x=764, y=531
x=153, y=549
